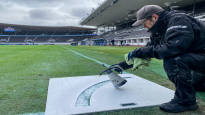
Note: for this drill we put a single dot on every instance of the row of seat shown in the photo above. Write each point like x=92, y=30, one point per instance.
x=20, y=39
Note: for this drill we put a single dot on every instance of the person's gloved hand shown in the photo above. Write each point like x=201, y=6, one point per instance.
x=130, y=55
x=133, y=54
x=137, y=62
x=116, y=67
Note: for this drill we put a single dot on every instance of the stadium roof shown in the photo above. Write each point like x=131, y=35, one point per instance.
x=45, y=29
x=114, y=12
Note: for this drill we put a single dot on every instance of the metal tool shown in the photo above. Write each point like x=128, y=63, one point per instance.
x=116, y=80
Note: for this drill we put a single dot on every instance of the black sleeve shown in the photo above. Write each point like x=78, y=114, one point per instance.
x=178, y=37
x=125, y=66
x=154, y=40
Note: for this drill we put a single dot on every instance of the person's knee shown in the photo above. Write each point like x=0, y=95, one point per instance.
x=170, y=69
x=173, y=66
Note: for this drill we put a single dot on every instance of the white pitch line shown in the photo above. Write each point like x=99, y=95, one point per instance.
x=95, y=60
x=92, y=59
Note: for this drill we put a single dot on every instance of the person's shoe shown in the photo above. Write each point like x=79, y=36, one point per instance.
x=174, y=107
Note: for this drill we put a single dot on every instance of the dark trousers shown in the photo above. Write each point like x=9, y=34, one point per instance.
x=198, y=81
x=187, y=72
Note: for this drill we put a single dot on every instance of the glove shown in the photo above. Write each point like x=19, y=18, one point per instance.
x=133, y=54
x=116, y=67
x=137, y=62
x=130, y=55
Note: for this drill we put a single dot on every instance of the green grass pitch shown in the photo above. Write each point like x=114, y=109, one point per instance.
x=25, y=73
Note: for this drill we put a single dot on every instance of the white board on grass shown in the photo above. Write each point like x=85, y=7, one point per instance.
x=88, y=94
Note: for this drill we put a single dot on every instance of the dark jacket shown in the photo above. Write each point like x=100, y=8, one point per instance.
x=173, y=34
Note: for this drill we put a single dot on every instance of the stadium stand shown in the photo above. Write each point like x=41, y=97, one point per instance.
x=17, y=39
x=21, y=34
x=106, y=15
x=4, y=39
x=121, y=14
x=128, y=36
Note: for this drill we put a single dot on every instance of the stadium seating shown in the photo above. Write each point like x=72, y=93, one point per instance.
x=41, y=38
x=127, y=36
x=17, y=39
x=61, y=39
x=4, y=39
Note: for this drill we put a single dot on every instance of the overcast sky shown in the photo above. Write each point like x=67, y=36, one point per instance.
x=46, y=12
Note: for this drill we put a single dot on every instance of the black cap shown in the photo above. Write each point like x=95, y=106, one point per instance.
x=146, y=12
